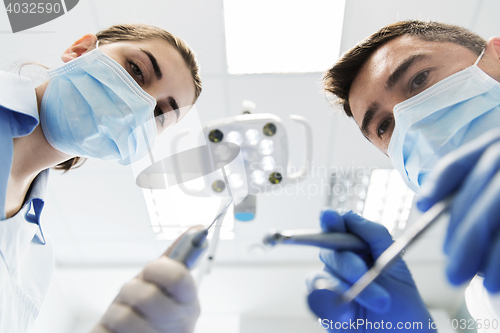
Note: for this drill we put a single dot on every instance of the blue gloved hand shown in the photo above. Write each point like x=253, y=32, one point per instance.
x=390, y=302
x=473, y=237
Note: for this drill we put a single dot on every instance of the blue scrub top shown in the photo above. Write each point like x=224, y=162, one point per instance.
x=26, y=254
x=18, y=117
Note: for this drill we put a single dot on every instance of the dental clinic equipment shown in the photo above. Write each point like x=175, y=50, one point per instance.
x=328, y=240
x=263, y=141
x=193, y=244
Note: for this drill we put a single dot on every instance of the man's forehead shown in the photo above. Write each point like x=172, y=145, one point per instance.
x=398, y=49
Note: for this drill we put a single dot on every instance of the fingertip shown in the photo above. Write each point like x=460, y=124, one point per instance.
x=351, y=218
x=492, y=269
x=349, y=213
x=331, y=220
x=455, y=277
x=424, y=204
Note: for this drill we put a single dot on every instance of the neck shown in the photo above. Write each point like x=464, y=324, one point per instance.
x=32, y=153
x=491, y=67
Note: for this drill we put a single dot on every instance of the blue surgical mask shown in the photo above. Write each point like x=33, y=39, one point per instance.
x=440, y=119
x=93, y=108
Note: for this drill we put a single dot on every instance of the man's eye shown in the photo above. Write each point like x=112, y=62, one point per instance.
x=419, y=80
x=136, y=70
x=383, y=127
x=159, y=115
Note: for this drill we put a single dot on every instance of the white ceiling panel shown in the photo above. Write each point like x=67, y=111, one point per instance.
x=198, y=22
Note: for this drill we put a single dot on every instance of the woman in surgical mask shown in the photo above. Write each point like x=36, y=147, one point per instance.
x=115, y=92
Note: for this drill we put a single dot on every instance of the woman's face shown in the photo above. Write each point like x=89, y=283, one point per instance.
x=161, y=71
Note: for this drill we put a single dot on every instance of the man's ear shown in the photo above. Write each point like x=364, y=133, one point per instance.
x=81, y=46
x=493, y=48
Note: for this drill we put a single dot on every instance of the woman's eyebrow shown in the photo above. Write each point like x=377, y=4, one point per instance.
x=156, y=68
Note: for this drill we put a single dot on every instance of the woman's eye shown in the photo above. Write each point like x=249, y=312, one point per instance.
x=383, y=127
x=419, y=80
x=136, y=70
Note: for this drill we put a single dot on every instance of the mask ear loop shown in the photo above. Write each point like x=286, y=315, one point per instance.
x=479, y=58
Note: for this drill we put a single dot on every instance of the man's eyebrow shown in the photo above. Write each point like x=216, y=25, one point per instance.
x=403, y=68
x=367, y=118
x=156, y=68
x=175, y=107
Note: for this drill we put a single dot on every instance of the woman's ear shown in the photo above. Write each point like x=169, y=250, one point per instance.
x=81, y=46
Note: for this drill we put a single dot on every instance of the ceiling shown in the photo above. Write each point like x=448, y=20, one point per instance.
x=97, y=217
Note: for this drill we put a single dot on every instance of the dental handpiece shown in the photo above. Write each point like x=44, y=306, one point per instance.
x=190, y=247
x=328, y=240
x=193, y=243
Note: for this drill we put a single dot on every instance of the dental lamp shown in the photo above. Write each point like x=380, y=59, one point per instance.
x=263, y=144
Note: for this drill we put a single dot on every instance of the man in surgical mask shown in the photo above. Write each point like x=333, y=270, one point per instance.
x=427, y=95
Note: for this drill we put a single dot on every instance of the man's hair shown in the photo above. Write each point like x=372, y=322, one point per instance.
x=339, y=78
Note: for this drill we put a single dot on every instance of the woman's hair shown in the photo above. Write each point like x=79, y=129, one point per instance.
x=138, y=32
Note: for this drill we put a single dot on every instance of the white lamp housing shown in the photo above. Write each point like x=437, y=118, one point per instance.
x=263, y=141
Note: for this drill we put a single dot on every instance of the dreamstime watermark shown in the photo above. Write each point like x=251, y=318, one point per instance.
x=26, y=14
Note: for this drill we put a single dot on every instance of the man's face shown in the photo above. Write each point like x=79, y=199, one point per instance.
x=397, y=71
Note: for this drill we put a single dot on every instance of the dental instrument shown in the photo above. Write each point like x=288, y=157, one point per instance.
x=328, y=240
x=193, y=243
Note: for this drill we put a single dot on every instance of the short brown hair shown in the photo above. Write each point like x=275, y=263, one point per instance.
x=339, y=78
x=137, y=32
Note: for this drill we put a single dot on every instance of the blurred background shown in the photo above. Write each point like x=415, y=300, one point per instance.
x=272, y=53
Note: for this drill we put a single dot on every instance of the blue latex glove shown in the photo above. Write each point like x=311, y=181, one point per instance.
x=473, y=237
x=391, y=299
